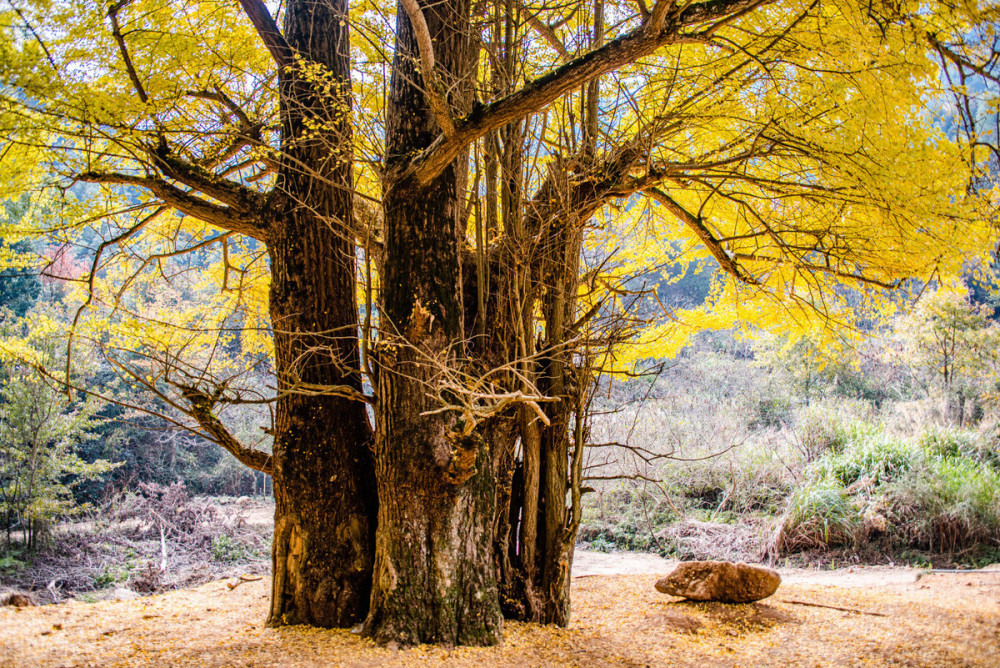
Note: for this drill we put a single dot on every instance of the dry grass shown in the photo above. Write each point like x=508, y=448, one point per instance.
x=942, y=620
x=155, y=541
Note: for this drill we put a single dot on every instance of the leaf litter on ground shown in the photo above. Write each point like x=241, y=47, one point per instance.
x=618, y=620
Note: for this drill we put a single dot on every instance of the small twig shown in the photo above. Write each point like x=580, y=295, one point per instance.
x=242, y=579
x=957, y=571
x=834, y=607
x=163, y=551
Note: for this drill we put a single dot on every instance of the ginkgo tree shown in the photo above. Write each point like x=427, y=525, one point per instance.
x=951, y=344
x=449, y=214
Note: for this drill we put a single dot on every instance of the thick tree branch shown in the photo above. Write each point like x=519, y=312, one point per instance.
x=239, y=198
x=224, y=217
x=262, y=20
x=201, y=410
x=434, y=91
x=659, y=15
x=566, y=78
x=727, y=263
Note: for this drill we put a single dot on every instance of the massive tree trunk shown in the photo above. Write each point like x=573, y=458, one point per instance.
x=434, y=578
x=323, y=471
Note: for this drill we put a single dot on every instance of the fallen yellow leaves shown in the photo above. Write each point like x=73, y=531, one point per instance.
x=617, y=621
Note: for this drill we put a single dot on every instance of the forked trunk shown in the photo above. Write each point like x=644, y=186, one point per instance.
x=434, y=578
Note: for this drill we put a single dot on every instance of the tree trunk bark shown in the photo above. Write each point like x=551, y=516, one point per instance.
x=536, y=585
x=434, y=579
x=323, y=483
x=325, y=500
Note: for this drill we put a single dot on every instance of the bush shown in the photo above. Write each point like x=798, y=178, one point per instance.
x=871, y=458
x=771, y=412
x=939, y=493
x=828, y=425
x=229, y=550
x=11, y=565
x=819, y=515
x=951, y=504
x=39, y=463
x=960, y=443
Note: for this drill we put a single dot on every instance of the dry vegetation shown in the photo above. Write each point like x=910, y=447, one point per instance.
x=939, y=620
x=157, y=539
x=721, y=457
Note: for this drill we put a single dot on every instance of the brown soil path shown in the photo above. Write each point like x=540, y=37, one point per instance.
x=618, y=620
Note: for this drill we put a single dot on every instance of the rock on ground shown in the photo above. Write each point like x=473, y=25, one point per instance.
x=122, y=594
x=721, y=581
x=16, y=599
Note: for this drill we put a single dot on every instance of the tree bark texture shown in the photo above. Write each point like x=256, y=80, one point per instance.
x=537, y=262
x=433, y=578
x=324, y=485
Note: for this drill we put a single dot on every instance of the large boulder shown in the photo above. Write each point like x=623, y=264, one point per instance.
x=721, y=581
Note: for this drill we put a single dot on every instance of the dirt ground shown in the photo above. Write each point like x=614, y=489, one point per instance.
x=892, y=618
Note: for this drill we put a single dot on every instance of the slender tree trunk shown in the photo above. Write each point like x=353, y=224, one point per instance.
x=323, y=482
x=558, y=534
x=434, y=579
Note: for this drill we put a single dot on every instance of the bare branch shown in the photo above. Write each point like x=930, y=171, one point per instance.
x=239, y=198
x=433, y=89
x=201, y=411
x=224, y=217
x=546, y=31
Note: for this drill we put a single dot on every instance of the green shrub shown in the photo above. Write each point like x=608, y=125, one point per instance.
x=950, y=504
x=960, y=443
x=871, y=457
x=602, y=544
x=105, y=578
x=11, y=565
x=229, y=550
x=819, y=515
x=940, y=493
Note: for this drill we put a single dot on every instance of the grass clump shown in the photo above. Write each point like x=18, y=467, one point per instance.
x=950, y=505
x=870, y=457
x=939, y=492
x=819, y=515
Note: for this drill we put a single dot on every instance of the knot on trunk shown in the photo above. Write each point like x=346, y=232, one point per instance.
x=462, y=463
x=386, y=575
x=420, y=324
